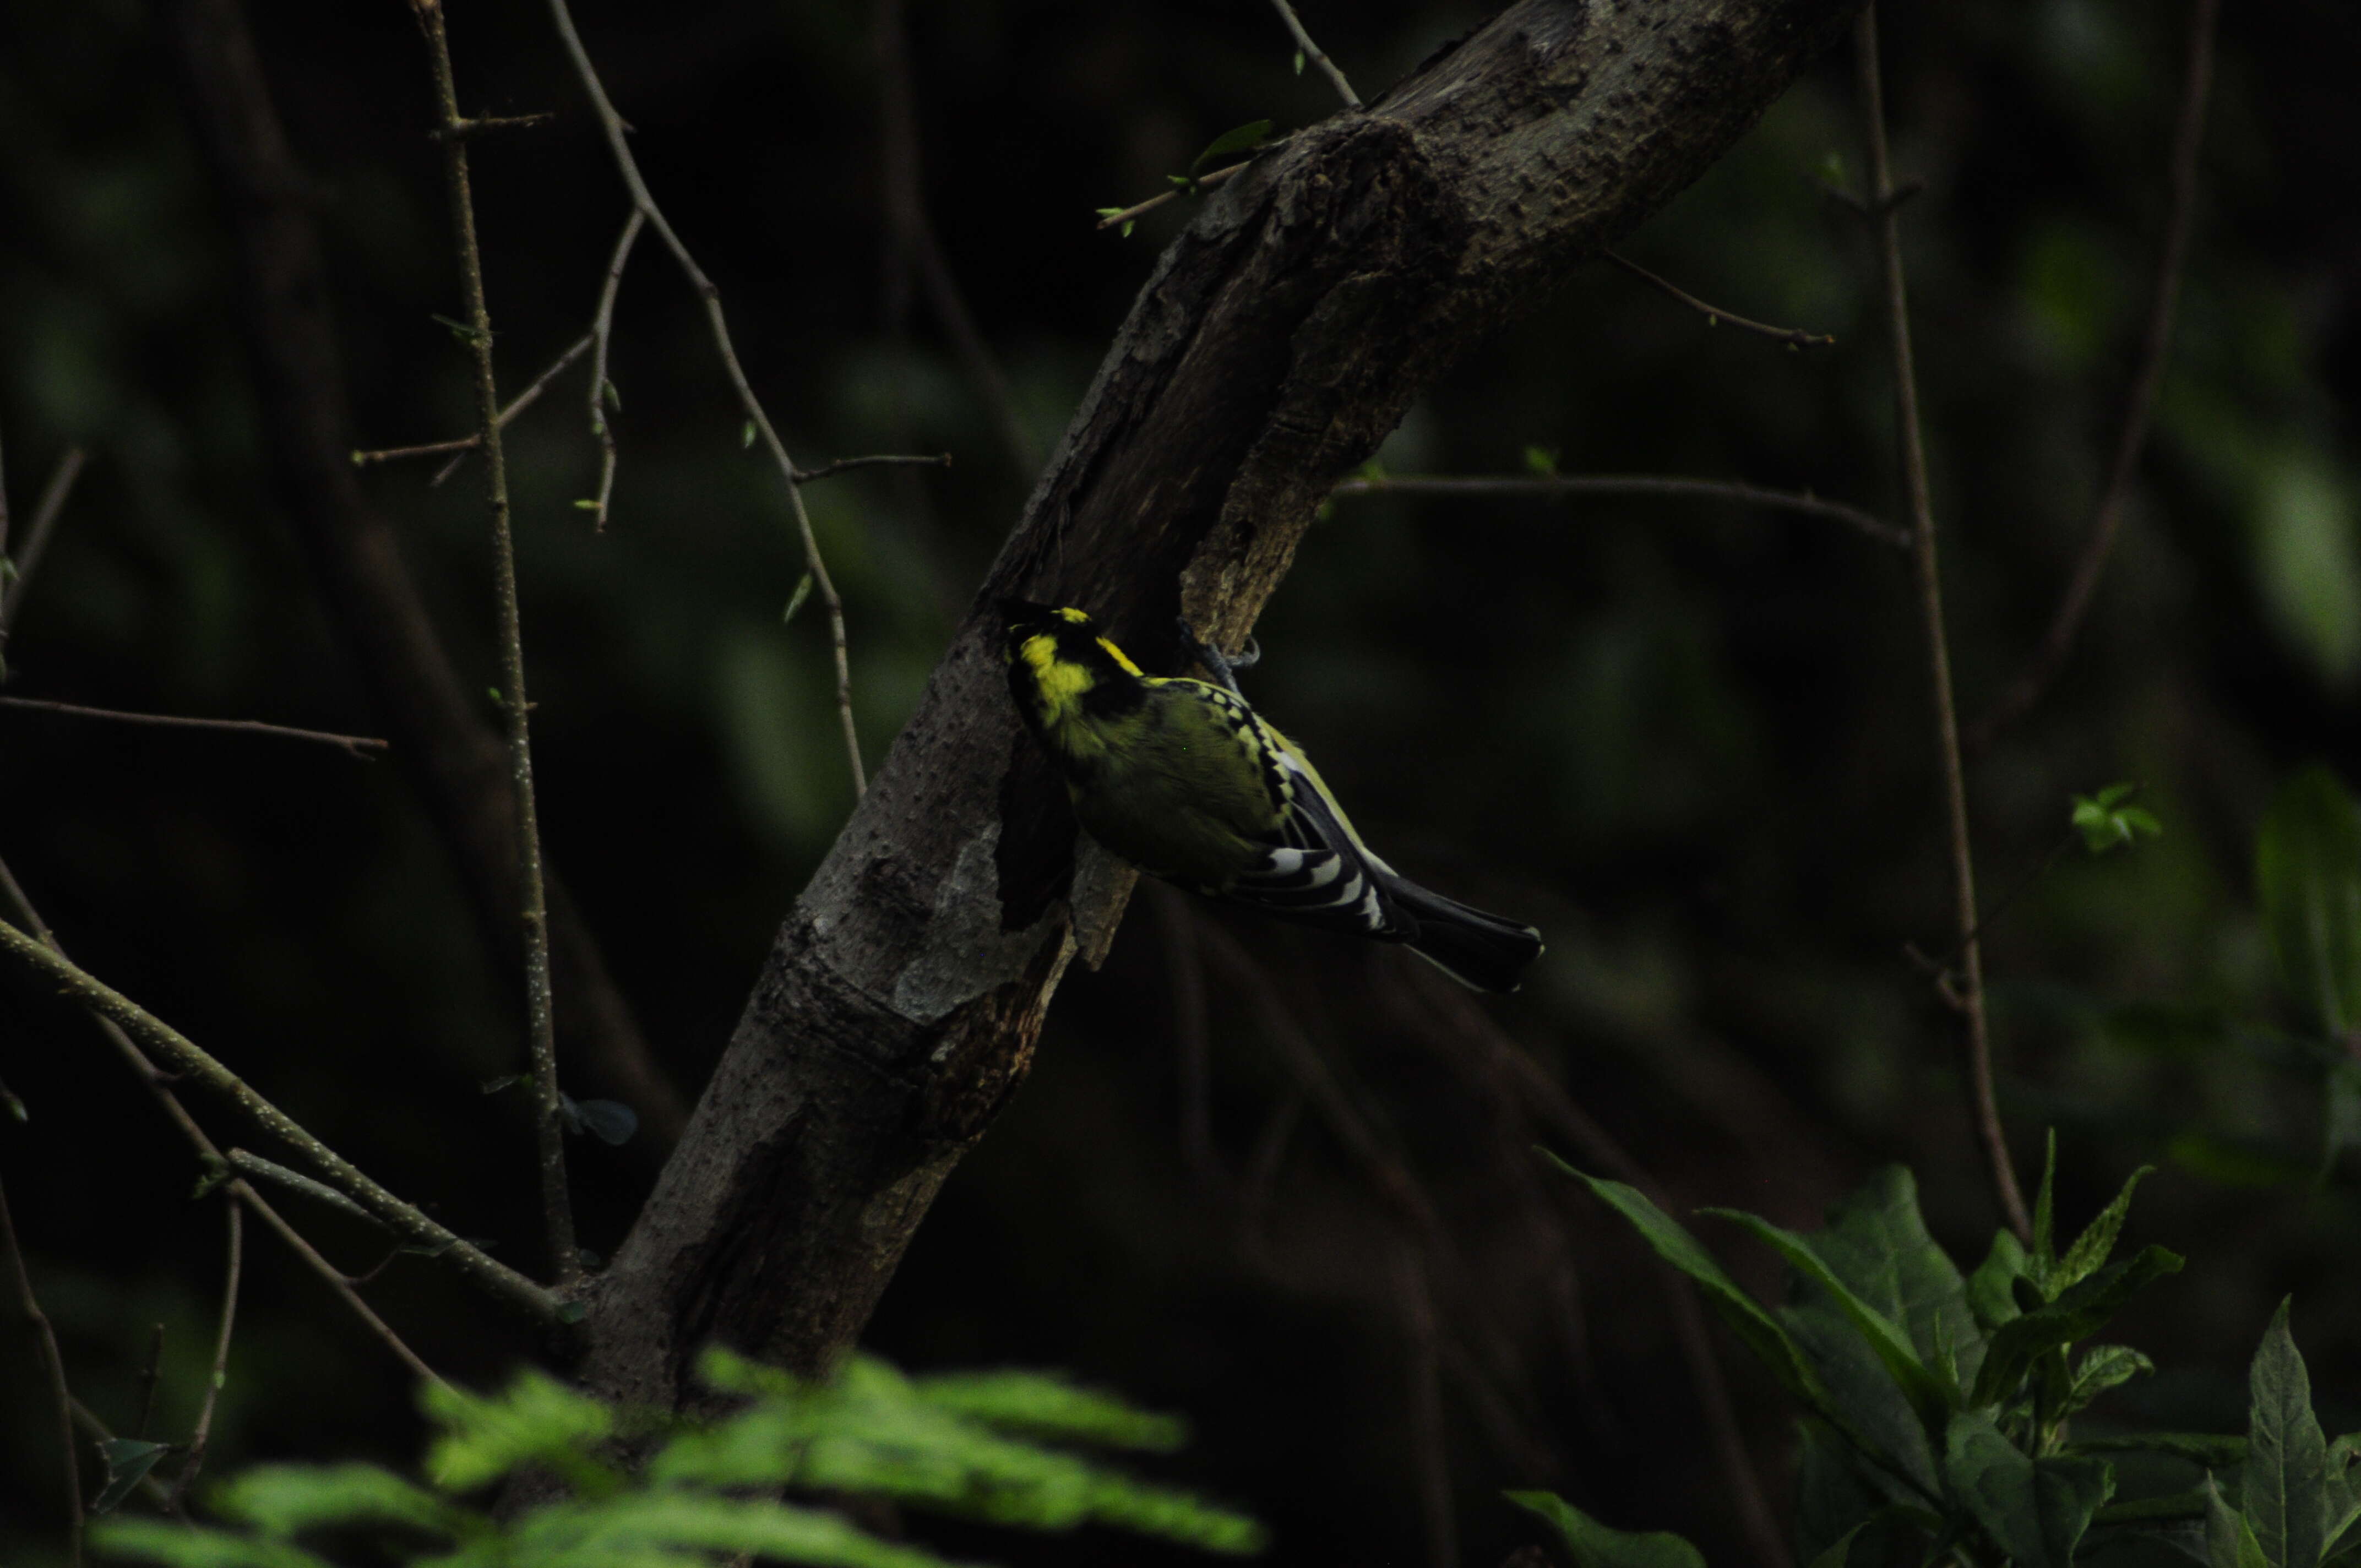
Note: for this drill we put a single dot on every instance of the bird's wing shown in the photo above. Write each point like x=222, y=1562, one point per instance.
x=1316, y=872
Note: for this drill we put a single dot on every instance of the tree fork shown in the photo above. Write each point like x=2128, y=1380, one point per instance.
x=1275, y=344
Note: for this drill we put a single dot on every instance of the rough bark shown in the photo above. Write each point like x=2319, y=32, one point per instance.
x=452, y=756
x=1276, y=343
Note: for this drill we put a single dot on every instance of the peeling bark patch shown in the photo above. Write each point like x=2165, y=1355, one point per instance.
x=987, y=1051
x=968, y=946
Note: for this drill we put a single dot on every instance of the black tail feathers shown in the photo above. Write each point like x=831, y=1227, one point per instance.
x=1480, y=951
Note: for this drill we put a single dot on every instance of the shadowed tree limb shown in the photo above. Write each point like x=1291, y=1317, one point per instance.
x=440, y=738
x=1276, y=341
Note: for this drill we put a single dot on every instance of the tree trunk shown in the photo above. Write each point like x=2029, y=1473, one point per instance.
x=1277, y=342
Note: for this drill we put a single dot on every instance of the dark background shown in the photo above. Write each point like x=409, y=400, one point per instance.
x=1690, y=741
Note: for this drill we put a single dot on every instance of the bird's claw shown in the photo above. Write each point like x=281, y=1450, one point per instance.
x=1223, y=666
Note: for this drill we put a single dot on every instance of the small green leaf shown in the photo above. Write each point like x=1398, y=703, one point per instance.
x=459, y=330
x=1108, y=212
x=2287, y=1458
x=746, y=435
x=1541, y=460
x=795, y=599
x=1245, y=138
x=1990, y=1296
x=494, y=1085
x=2102, y=1367
x=1593, y=1545
x=2308, y=880
x=590, y=504
x=1129, y=224
x=2076, y=1314
x=2105, y=821
x=494, y=693
x=2091, y=1248
x=129, y=1460
x=614, y=398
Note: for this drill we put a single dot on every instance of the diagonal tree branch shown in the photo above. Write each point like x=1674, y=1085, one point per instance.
x=452, y=757
x=1276, y=343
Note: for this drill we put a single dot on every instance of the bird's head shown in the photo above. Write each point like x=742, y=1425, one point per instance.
x=1057, y=660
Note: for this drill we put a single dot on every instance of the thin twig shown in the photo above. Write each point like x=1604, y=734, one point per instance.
x=1201, y=183
x=192, y=1062
x=1803, y=502
x=54, y=1365
x=1423, y=1370
x=357, y=745
x=1312, y=52
x=880, y=460
x=2139, y=399
x=458, y=447
x=1794, y=337
x=549, y=1115
x=602, y=331
x=1982, y=1105
x=627, y=168
x=37, y=533
x=203, y=1433
x=152, y=1375
x=247, y=1163
x=161, y=1090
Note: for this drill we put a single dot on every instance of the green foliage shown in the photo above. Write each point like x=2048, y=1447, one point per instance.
x=971, y=1445
x=1939, y=1406
x=2105, y=821
x=1243, y=138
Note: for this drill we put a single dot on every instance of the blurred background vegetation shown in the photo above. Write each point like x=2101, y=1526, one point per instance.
x=1690, y=741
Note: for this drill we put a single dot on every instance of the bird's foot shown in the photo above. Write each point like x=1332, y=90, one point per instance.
x=1223, y=666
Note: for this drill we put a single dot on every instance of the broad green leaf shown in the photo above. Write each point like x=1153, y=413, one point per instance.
x=2308, y=880
x=1833, y=1498
x=2287, y=1457
x=2034, y=1511
x=2091, y=1248
x=129, y=1460
x=1877, y=1418
x=1877, y=1243
x=186, y=1546
x=2102, y=1367
x=1759, y=1331
x=2077, y=1314
x=1593, y=1545
x=2230, y=1540
x=2342, y=1484
x=1990, y=1296
x=1928, y=1393
x=1243, y=140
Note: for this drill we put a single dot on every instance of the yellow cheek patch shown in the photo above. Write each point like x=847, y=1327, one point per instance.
x=1059, y=682
x=1073, y=617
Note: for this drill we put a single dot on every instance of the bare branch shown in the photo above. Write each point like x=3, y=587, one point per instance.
x=1794, y=337
x=203, y=1433
x=54, y=1365
x=602, y=331
x=1201, y=182
x=1312, y=52
x=549, y=1116
x=458, y=449
x=37, y=533
x=186, y=1058
x=882, y=460
x=247, y=1163
x=1555, y=484
x=148, y=1378
x=1984, y=1108
x=642, y=202
x=356, y=745
x=2139, y=399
